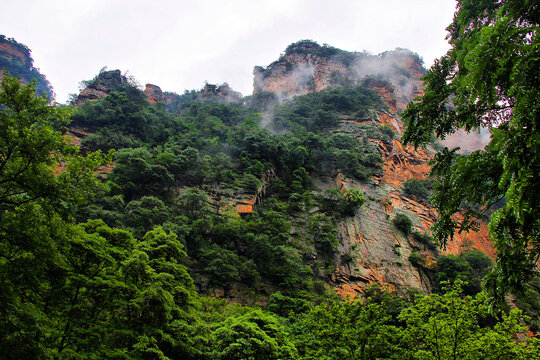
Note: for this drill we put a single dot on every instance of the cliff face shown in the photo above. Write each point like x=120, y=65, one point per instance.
x=297, y=74
x=12, y=53
x=306, y=67
x=16, y=59
x=371, y=248
x=101, y=86
x=379, y=251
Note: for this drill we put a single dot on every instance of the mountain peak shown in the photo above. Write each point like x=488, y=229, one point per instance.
x=16, y=59
x=307, y=66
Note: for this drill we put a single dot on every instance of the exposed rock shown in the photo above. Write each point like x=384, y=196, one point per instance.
x=306, y=67
x=16, y=59
x=12, y=53
x=101, y=86
x=154, y=93
x=224, y=92
x=380, y=252
x=297, y=74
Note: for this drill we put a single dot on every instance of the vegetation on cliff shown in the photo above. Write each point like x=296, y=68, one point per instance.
x=489, y=78
x=181, y=172
x=117, y=277
x=16, y=59
x=220, y=199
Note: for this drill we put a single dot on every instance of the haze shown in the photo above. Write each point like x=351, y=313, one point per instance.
x=179, y=45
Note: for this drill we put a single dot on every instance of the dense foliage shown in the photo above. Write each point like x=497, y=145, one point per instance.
x=180, y=171
x=419, y=189
x=403, y=223
x=118, y=268
x=489, y=78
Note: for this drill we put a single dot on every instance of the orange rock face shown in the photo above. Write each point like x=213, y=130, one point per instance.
x=305, y=70
x=297, y=74
x=154, y=93
x=11, y=51
x=379, y=251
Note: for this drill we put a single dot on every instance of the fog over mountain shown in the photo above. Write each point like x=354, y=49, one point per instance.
x=180, y=44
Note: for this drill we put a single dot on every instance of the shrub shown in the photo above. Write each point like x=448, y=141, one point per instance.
x=387, y=132
x=425, y=239
x=403, y=223
x=249, y=182
x=346, y=258
x=417, y=259
x=418, y=189
x=470, y=266
x=355, y=198
x=283, y=305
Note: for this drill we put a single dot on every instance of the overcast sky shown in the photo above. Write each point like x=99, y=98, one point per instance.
x=178, y=45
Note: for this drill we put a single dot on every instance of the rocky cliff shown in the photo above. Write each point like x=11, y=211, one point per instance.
x=16, y=59
x=101, y=86
x=377, y=250
x=307, y=66
x=380, y=252
x=371, y=248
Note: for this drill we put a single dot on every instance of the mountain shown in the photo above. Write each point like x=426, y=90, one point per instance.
x=16, y=59
x=227, y=227
x=307, y=66
x=350, y=103
x=380, y=252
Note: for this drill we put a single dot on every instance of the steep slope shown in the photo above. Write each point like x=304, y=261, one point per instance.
x=262, y=190
x=378, y=251
x=16, y=59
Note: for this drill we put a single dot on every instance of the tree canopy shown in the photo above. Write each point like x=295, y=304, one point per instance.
x=112, y=278
x=489, y=78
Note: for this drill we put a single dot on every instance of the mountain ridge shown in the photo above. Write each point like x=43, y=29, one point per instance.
x=376, y=251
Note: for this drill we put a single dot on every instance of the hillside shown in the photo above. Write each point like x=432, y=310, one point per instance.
x=289, y=224
x=272, y=154
x=16, y=59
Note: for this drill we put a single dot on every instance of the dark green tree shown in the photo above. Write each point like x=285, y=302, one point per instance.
x=43, y=178
x=347, y=330
x=254, y=335
x=489, y=78
x=449, y=326
x=403, y=223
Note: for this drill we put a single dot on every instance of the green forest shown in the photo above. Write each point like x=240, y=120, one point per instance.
x=128, y=245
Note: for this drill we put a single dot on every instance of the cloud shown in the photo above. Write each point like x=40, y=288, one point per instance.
x=468, y=141
x=180, y=44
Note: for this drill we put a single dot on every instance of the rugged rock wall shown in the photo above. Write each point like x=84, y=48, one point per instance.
x=100, y=86
x=380, y=252
x=16, y=59
x=306, y=67
x=13, y=53
x=297, y=74
x=377, y=251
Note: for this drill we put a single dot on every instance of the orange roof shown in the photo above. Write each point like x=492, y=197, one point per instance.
x=244, y=209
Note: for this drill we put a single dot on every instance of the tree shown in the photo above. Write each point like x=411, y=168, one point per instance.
x=347, y=330
x=489, y=78
x=31, y=153
x=254, y=335
x=449, y=326
x=43, y=178
x=137, y=175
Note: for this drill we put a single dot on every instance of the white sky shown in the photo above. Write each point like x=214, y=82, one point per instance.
x=178, y=45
